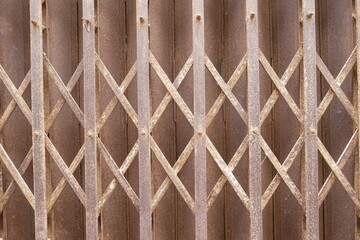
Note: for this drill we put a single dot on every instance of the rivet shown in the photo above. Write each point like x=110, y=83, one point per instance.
x=143, y=132
x=142, y=19
x=252, y=15
x=310, y=14
x=200, y=132
x=36, y=134
x=90, y=133
x=198, y=17
x=254, y=130
x=313, y=131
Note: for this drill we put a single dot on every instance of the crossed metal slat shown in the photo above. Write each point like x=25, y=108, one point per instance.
x=26, y=111
x=131, y=112
x=336, y=167
x=282, y=169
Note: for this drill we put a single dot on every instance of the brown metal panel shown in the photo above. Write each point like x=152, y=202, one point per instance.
x=236, y=216
x=38, y=127
x=142, y=46
x=310, y=122
x=162, y=46
x=214, y=51
x=16, y=132
x=285, y=41
x=90, y=119
x=336, y=45
x=66, y=216
x=255, y=191
x=265, y=41
x=185, y=225
x=111, y=49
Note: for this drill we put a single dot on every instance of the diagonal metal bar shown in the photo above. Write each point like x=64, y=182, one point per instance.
x=336, y=89
x=338, y=173
x=62, y=88
x=61, y=101
x=171, y=89
x=282, y=171
x=17, y=177
x=114, y=182
x=62, y=183
x=339, y=80
x=280, y=86
x=68, y=174
x=232, y=165
x=11, y=106
x=228, y=173
x=115, y=88
x=119, y=175
x=12, y=185
x=344, y=157
x=15, y=94
x=177, y=167
x=286, y=165
x=284, y=80
x=173, y=175
x=235, y=77
x=220, y=81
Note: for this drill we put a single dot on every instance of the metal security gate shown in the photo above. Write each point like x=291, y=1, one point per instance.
x=191, y=119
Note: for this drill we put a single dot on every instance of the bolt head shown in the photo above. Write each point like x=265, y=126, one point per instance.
x=90, y=133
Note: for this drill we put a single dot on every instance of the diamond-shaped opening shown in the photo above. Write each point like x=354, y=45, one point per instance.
x=186, y=176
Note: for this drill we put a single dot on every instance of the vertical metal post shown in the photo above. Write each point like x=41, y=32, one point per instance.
x=143, y=96
x=310, y=123
x=357, y=159
x=90, y=119
x=37, y=101
x=252, y=39
x=199, y=124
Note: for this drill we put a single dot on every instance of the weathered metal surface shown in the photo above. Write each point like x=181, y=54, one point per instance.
x=167, y=107
x=254, y=130
x=90, y=130
x=310, y=123
x=38, y=119
x=200, y=164
x=143, y=100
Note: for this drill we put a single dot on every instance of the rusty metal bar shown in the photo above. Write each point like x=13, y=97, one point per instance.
x=255, y=192
x=310, y=122
x=143, y=96
x=38, y=126
x=357, y=99
x=90, y=119
x=199, y=123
